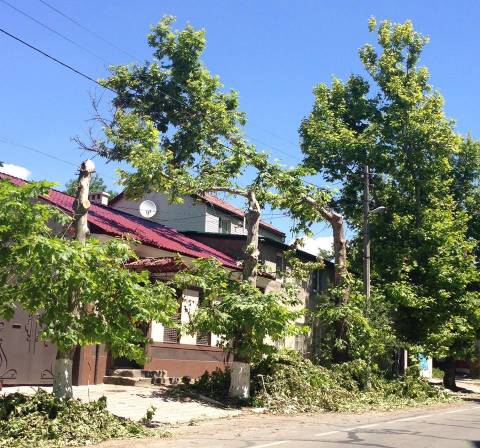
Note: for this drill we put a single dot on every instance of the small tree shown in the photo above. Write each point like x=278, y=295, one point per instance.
x=244, y=317
x=81, y=293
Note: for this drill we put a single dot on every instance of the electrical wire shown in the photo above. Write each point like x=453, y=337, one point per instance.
x=287, y=154
x=83, y=27
x=69, y=67
x=193, y=114
x=53, y=31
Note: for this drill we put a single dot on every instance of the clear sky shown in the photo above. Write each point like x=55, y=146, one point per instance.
x=272, y=52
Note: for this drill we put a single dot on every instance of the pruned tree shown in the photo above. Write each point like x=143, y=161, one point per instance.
x=246, y=320
x=180, y=134
x=80, y=292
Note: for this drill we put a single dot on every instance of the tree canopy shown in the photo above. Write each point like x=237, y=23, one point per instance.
x=81, y=293
x=394, y=121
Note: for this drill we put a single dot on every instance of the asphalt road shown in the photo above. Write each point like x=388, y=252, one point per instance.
x=451, y=426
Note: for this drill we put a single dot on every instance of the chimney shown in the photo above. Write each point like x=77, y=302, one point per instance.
x=100, y=197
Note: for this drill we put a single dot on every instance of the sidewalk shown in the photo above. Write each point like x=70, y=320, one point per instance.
x=133, y=402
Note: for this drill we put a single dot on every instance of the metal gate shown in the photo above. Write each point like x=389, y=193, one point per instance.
x=24, y=359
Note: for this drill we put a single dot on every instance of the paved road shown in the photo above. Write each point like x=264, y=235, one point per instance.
x=448, y=427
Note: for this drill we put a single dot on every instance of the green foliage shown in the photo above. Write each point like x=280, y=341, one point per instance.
x=184, y=102
x=286, y=382
x=290, y=383
x=369, y=336
x=97, y=184
x=422, y=245
x=82, y=294
x=238, y=311
x=42, y=420
x=214, y=384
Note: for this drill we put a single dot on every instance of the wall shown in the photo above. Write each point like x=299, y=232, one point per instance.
x=190, y=215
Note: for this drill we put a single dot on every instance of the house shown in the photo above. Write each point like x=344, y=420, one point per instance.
x=26, y=360
x=221, y=226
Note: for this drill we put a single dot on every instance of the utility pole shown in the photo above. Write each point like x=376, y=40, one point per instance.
x=366, y=233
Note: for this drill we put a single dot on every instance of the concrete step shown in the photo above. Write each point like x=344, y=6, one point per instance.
x=127, y=380
x=131, y=373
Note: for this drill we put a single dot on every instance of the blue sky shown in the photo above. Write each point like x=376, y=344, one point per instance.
x=272, y=52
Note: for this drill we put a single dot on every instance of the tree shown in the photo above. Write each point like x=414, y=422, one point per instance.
x=421, y=256
x=80, y=292
x=466, y=187
x=230, y=305
x=180, y=135
x=97, y=184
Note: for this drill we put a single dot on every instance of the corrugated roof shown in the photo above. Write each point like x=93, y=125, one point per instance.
x=118, y=223
x=166, y=264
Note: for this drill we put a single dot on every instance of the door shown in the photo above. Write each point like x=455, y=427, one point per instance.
x=24, y=359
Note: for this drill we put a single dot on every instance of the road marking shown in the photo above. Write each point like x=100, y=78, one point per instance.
x=326, y=433
x=462, y=410
x=406, y=419
x=371, y=425
x=271, y=444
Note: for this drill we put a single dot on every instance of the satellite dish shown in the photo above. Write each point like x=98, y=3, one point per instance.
x=148, y=209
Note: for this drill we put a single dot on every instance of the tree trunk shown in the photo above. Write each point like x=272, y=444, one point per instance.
x=252, y=218
x=449, y=374
x=81, y=203
x=240, y=370
x=62, y=372
x=340, y=354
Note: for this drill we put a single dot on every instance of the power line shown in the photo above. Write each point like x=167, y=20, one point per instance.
x=69, y=67
x=93, y=33
x=7, y=141
x=53, y=30
x=130, y=55
x=193, y=114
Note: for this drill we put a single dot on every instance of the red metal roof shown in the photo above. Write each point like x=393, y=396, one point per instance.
x=118, y=223
x=166, y=264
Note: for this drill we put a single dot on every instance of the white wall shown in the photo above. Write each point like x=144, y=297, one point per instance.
x=190, y=215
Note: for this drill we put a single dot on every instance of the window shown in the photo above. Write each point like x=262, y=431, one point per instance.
x=172, y=334
x=203, y=338
x=224, y=225
x=317, y=280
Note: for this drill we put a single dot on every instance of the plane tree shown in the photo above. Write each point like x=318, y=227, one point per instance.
x=394, y=122
x=181, y=134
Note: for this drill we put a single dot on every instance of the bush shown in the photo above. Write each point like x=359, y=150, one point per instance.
x=42, y=420
x=214, y=385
